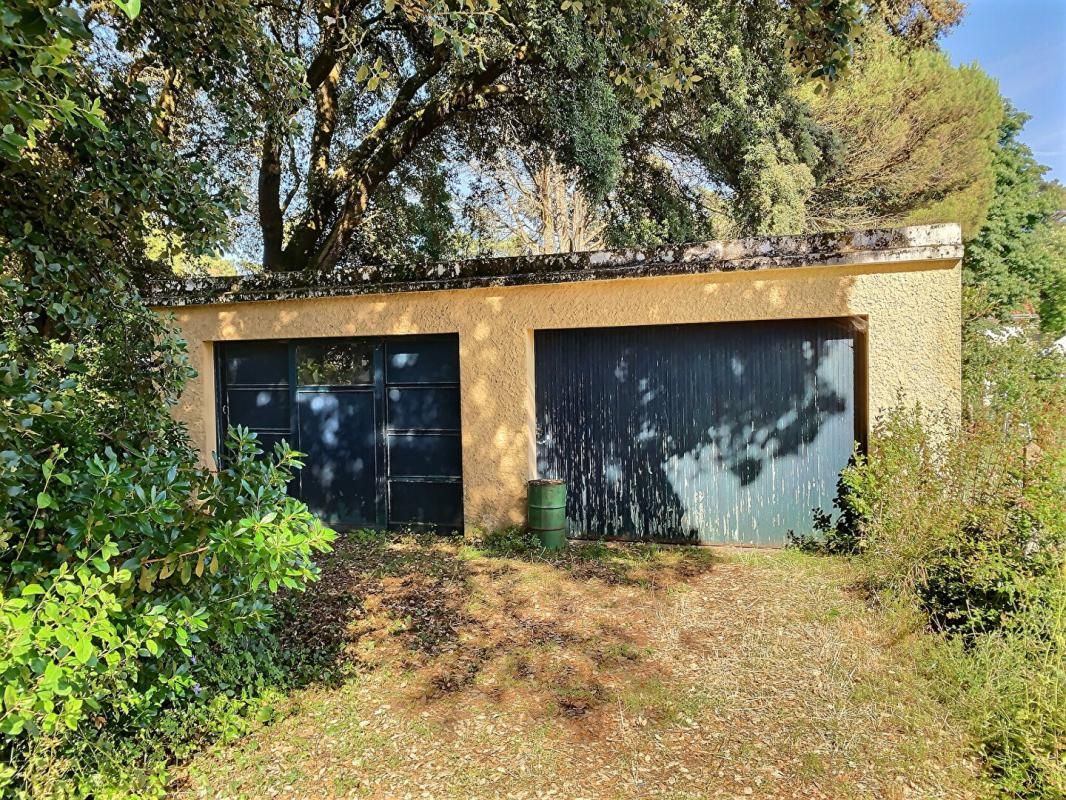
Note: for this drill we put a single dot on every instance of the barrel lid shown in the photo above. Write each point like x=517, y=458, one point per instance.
x=546, y=482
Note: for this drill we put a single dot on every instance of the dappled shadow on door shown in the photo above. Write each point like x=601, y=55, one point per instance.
x=728, y=433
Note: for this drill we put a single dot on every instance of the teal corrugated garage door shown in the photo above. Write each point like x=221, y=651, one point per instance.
x=718, y=433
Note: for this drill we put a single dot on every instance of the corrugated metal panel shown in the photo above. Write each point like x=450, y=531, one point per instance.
x=713, y=433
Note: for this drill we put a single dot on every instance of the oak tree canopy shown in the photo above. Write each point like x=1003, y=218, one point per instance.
x=343, y=117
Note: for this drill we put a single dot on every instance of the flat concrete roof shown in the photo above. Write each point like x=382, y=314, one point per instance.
x=927, y=246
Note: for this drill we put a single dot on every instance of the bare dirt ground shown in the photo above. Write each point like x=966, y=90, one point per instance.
x=609, y=672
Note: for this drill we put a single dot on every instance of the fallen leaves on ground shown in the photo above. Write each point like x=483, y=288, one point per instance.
x=612, y=672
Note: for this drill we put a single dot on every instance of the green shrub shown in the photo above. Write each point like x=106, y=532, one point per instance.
x=240, y=683
x=1011, y=685
x=133, y=568
x=1010, y=372
x=969, y=520
x=969, y=526
x=127, y=572
x=970, y=529
x=122, y=562
x=841, y=532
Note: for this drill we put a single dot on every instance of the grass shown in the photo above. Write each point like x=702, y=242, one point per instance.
x=443, y=669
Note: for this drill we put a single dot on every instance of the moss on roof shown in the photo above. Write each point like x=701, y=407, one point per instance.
x=870, y=248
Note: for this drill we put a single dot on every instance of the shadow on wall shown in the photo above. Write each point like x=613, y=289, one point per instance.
x=714, y=433
x=492, y=324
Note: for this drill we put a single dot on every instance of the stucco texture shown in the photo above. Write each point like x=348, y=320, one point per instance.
x=912, y=311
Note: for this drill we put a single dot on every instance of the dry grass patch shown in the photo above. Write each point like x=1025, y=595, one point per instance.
x=608, y=672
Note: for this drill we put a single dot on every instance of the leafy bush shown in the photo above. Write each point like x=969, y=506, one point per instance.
x=237, y=684
x=969, y=525
x=1011, y=373
x=127, y=571
x=1011, y=685
x=123, y=572
x=123, y=560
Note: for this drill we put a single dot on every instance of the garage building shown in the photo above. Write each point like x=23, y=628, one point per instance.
x=707, y=393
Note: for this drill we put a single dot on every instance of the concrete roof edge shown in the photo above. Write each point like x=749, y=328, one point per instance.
x=934, y=246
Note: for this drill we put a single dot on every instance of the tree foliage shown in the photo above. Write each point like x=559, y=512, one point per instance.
x=919, y=23
x=911, y=141
x=342, y=112
x=574, y=78
x=1019, y=256
x=732, y=144
x=736, y=153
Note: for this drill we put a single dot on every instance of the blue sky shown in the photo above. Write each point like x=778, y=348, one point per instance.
x=1022, y=44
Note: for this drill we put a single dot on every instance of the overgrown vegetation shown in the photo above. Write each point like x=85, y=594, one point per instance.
x=136, y=587
x=970, y=527
x=134, y=584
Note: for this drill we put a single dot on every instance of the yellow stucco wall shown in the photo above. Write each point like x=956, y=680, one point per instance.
x=912, y=310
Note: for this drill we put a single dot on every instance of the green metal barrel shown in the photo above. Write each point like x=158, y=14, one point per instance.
x=546, y=501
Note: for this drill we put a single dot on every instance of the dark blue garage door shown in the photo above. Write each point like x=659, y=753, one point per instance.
x=697, y=433
x=378, y=420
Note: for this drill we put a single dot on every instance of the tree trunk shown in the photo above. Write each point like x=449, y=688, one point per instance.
x=324, y=232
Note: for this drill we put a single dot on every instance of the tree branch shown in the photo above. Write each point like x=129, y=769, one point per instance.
x=322, y=191
x=335, y=49
x=294, y=168
x=321, y=195
x=167, y=105
x=398, y=112
x=417, y=127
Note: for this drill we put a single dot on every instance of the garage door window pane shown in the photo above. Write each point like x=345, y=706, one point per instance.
x=422, y=454
x=256, y=363
x=335, y=364
x=423, y=409
x=425, y=502
x=259, y=408
x=422, y=360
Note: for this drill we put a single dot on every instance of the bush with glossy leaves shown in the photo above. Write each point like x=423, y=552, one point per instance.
x=127, y=570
